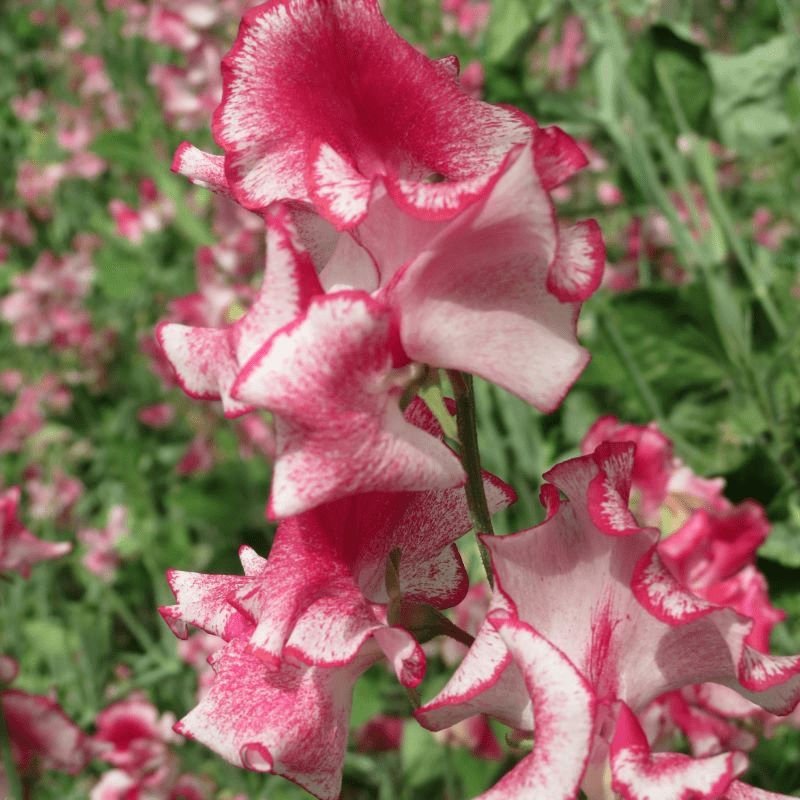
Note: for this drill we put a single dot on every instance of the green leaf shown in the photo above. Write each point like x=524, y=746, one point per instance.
x=366, y=698
x=793, y=101
x=48, y=638
x=750, y=101
x=421, y=756
x=669, y=50
x=670, y=349
x=783, y=543
x=509, y=23
x=749, y=76
x=186, y=220
x=475, y=774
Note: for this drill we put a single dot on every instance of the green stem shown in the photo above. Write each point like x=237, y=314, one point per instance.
x=146, y=642
x=12, y=776
x=471, y=461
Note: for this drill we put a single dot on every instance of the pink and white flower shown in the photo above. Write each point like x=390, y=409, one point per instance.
x=360, y=102
x=19, y=548
x=587, y=592
x=303, y=625
x=41, y=737
x=403, y=290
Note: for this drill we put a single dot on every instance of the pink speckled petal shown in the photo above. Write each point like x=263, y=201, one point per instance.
x=330, y=381
x=639, y=774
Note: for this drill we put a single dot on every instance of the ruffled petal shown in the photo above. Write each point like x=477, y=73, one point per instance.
x=563, y=712
x=639, y=774
x=291, y=721
x=330, y=381
x=481, y=283
x=304, y=72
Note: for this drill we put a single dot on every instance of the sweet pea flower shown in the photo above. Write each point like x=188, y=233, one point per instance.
x=339, y=428
x=362, y=105
x=360, y=102
x=380, y=734
x=101, y=558
x=41, y=737
x=712, y=553
x=400, y=293
x=302, y=626
x=19, y=548
x=585, y=621
x=132, y=736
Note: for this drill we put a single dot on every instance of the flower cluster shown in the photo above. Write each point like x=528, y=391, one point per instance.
x=410, y=229
x=130, y=737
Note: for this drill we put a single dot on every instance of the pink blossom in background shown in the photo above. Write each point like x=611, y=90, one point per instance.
x=198, y=457
x=132, y=735
x=19, y=548
x=191, y=89
x=75, y=129
x=567, y=55
x=471, y=78
x=153, y=214
x=476, y=735
x=8, y=668
x=51, y=497
x=137, y=741
x=380, y=734
x=101, y=557
x=770, y=233
x=468, y=18
x=157, y=416
x=28, y=107
x=609, y=194
x=256, y=436
x=22, y=422
x=46, y=303
x=15, y=227
x=41, y=737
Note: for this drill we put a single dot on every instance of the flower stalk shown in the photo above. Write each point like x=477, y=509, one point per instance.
x=471, y=461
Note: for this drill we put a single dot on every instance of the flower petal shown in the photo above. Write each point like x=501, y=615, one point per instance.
x=292, y=721
x=639, y=774
x=329, y=380
x=307, y=71
x=563, y=712
x=580, y=260
x=482, y=284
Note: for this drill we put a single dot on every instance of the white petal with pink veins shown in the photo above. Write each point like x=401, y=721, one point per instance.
x=207, y=361
x=481, y=284
x=339, y=191
x=304, y=72
x=580, y=588
x=339, y=430
x=201, y=168
x=292, y=721
x=563, y=712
